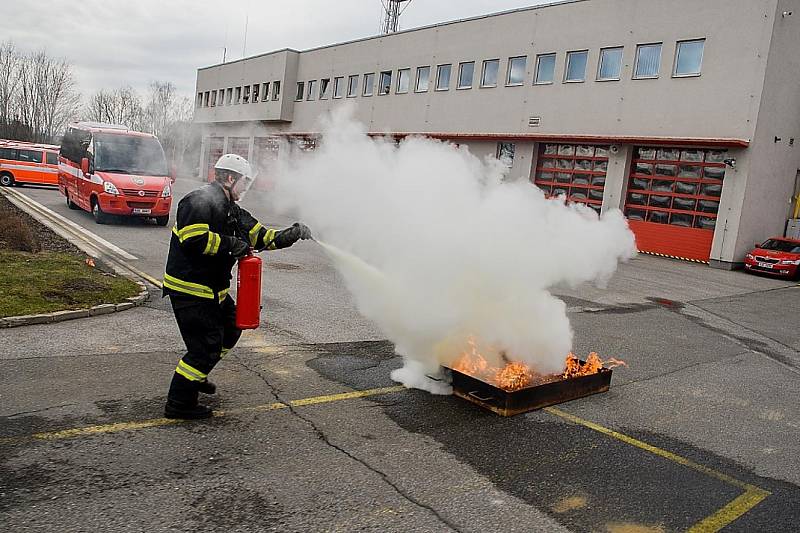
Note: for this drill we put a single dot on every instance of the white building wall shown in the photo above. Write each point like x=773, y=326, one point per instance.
x=747, y=93
x=626, y=107
x=773, y=160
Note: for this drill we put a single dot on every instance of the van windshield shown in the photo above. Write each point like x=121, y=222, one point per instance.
x=129, y=155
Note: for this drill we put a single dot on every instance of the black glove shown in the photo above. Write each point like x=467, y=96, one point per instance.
x=239, y=248
x=291, y=235
x=302, y=231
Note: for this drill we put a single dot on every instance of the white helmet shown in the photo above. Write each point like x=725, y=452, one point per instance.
x=239, y=165
x=235, y=163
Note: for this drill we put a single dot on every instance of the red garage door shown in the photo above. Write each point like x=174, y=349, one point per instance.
x=265, y=153
x=215, y=147
x=673, y=200
x=575, y=171
x=239, y=146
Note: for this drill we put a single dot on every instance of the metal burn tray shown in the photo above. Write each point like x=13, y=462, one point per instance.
x=506, y=403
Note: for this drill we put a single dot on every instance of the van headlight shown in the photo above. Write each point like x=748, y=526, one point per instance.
x=167, y=191
x=110, y=188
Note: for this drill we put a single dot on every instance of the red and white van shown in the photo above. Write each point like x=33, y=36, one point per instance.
x=28, y=163
x=108, y=170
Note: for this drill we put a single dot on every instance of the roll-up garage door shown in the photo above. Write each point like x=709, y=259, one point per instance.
x=265, y=153
x=575, y=171
x=673, y=199
x=215, y=151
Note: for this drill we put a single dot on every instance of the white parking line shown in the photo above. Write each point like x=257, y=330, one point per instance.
x=75, y=227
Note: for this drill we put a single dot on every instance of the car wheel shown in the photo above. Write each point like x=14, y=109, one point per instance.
x=6, y=179
x=162, y=221
x=70, y=203
x=99, y=216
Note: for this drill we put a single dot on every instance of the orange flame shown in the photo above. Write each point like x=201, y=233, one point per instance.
x=515, y=375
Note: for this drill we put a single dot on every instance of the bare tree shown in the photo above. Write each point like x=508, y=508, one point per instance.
x=60, y=102
x=37, y=94
x=9, y=81
x=119, y=106
x=161, y=106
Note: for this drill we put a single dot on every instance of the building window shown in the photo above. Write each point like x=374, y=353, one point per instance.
x=489, y=74
x=213, y=100
x=675, y=186
x=466, y=72
x=312, y=89
x=610, y=64
x=221, y=97
x=338, y=87
x=516, y=71
x=205, y=98
x=689, y=58
x=576, y=172
x=352, y=86
x=545, y=69
x=324, y=88
x=199, y=99
x=256, y=88
x=648, y=61
x=265, y=91
x=576, y=66
x=276, y=90
x=505, y=153
x=423, y=79
x=238, y=98
x=403, y=80
x=369, y=84
x=443, y=77
x=386, y=82
x=300, y=91
x=229, y=96
x=246, y=97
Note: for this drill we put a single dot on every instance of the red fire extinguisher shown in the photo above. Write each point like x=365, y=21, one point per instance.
x=248, y=293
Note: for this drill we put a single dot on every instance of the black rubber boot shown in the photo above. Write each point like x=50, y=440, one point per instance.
x=206, y=387
x=184, y=412
x=182, y=400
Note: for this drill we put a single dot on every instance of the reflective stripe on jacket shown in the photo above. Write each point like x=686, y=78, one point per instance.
x=206, y=229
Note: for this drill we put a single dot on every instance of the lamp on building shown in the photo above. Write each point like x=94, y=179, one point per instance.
x=731, y=162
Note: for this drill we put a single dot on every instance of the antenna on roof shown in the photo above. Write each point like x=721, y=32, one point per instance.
x=392, y=11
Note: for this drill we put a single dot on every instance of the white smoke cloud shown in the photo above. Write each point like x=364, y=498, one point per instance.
x=437, y=248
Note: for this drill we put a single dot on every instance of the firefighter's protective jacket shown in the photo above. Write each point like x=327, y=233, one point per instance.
x=207, y=227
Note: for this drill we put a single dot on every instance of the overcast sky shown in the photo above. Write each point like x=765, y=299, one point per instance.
x=113, y=43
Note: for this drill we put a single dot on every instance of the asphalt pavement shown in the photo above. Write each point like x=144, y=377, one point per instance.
x=700, y=430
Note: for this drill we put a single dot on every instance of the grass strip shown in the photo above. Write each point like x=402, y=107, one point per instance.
x=47, y=281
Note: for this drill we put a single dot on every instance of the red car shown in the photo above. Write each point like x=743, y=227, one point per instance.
x=776, y=256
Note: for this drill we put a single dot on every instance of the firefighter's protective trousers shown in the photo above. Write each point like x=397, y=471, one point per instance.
x=209, y=332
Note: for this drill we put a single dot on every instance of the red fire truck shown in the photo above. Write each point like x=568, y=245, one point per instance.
x=110, y=170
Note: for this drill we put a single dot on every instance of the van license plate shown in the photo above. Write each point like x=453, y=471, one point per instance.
x=137, y=211
x=766, y=265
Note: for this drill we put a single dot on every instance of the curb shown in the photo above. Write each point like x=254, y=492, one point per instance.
x=62, y=316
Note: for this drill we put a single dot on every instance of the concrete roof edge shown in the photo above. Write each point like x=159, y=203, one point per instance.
x=248, y=58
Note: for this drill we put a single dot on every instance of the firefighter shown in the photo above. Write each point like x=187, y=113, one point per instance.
x=210, y=234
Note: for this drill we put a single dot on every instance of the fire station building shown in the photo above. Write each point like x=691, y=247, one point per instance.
x=684, y=114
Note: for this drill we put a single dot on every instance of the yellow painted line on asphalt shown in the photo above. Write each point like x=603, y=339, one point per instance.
x=731, y=512
x=728, y=514
x=119, y=427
